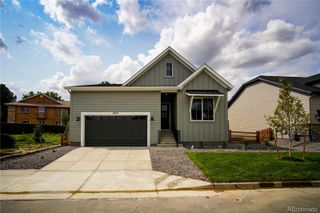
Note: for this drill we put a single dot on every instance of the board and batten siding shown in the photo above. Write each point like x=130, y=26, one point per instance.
x=114, y=102
x=205, y=131
x=156, y=75
x=314, y=106
x=257, y=101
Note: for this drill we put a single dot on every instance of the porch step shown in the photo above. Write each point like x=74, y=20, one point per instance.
x=167, y=139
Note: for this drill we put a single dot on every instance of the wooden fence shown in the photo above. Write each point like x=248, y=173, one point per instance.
x=257, y=136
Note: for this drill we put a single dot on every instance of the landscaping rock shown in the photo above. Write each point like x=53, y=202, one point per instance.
x=36, y=160
x=174, y=161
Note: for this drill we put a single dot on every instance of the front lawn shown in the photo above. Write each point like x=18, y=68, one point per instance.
x=25, y=142
x=263, y=166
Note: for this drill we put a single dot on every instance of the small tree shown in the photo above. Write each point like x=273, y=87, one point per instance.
x=37, y=134
x=289, y=116
x=65, y=119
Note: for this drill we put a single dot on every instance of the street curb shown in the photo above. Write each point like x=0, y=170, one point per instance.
x=257, y=185
x=28, y=153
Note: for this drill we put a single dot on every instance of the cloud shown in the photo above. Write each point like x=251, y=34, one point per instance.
x=97, y=3
x=16, y=3
x=130, y=16
x=17, y=87
x=222, y=36
x=69, y=12
x=84, y=69
x=95, y=38
x=119, y=73
x=4, y=47
x=20, y=40
x=63, y=45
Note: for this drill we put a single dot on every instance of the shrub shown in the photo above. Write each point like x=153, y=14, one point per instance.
x=6, y=141
x=37, y=134
x=224, y=144
x=245, y=142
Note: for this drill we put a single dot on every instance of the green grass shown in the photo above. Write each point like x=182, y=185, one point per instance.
x=244, y=166
x=25, y=142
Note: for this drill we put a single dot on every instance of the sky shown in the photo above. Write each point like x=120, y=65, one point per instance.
x=49, y=44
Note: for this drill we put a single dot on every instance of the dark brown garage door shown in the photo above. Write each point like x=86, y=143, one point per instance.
x=115, y=130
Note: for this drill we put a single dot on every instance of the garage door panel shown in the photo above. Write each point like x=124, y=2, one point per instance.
x=116, y=130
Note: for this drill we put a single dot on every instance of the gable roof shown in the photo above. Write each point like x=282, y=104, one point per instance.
x=298, y=84
x=168, y=50
x=58, y=102
x=213, y=74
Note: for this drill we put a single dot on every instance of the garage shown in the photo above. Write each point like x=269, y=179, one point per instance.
x=108, y=129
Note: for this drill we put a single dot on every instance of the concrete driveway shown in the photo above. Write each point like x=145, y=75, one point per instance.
x=100, y=159
x=92, y=172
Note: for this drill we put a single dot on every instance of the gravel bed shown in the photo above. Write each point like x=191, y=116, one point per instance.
x=36, y=160
x=175, y=162
x=298, y=145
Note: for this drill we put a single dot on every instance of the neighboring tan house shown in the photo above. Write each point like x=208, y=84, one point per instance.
x=257, y=99
x=38, y=109
x=169, y=100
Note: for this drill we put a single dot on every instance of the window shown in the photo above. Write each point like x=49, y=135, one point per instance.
x=25, y=110
x=58, y=111
x=169, y=71
x=25, y=122
x=58, y=123
x=42, y=110
x=202, y=109
x=41, y=122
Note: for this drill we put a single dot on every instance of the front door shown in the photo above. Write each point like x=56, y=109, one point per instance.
x=165, y=116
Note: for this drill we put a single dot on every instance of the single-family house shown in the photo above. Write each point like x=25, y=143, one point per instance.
x=257, y=99
x=168, y=102
x=38, y=109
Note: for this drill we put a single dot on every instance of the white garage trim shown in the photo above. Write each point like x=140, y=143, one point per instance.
x=83, y=123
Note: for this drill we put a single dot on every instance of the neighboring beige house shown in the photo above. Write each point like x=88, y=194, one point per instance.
x=168, y=102
x=257, y=99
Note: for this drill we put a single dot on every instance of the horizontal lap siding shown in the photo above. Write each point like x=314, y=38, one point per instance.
x=196, y=131
x=258, y=101
x=114, y=102
x=155, y=76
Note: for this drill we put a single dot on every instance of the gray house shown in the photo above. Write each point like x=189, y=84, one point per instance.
x=168, y=102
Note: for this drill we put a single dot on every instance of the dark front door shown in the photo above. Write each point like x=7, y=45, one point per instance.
x=116, y=130
x=165, y=116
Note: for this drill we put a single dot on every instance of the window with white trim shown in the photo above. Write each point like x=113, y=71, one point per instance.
x=41, y=122
x=25, y=122
x=169, y=69
x=202, y=109
x=42, y=110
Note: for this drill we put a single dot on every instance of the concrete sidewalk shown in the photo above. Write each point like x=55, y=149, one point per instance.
x=41, y=184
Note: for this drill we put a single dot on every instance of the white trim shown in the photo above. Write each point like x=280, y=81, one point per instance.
x=205, y=95
x=156, y=59
x=213, y=110
x=165, y=75
x=213, y=74
x=122, y=88
x=83, y=114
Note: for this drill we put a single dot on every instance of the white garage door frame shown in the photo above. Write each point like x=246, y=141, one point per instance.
x=84, y=114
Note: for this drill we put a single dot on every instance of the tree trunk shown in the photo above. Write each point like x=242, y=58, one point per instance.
x=304, y=144
x=290, y=145
x=276, y=143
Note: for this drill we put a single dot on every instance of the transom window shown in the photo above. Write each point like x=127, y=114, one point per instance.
x=202, y=109
x=169, y=71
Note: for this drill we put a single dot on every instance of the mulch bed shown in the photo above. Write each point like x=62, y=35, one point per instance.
x=36, y=160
